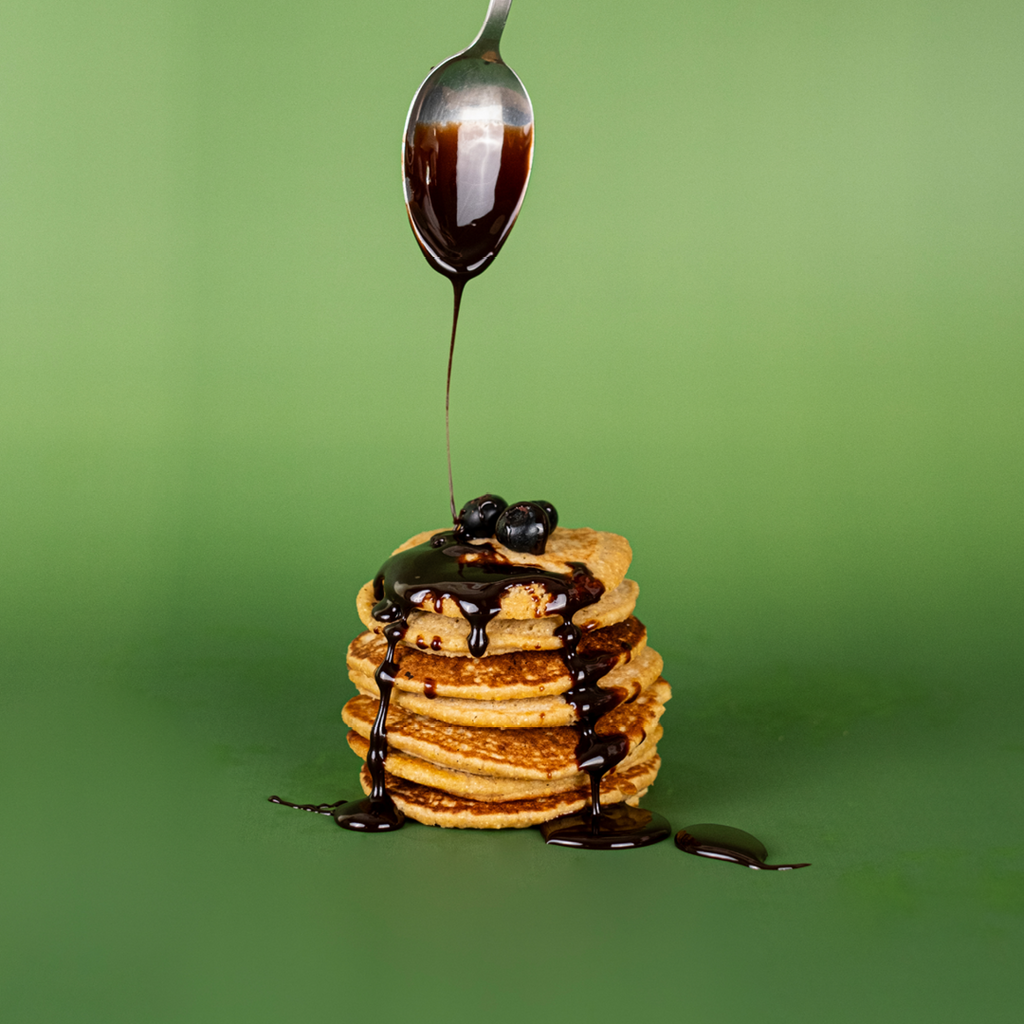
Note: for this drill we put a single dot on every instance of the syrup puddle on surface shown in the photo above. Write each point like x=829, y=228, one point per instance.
x=355, y=815
x=618, y=827
x=723, y=842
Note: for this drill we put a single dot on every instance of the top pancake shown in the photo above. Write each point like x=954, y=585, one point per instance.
x=450, y=636
x=606, y=556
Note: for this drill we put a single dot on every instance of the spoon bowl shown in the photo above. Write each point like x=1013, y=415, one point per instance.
x=467, y=151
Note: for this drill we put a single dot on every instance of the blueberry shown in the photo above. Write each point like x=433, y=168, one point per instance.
x=551, y=511
x=524, y=527
x=479, y=516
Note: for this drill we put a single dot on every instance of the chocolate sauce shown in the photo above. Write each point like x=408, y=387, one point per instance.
x=621, y=827
x=458, y=284
x=464, y=185
x=327, y=809
x=476, y=577
x=596, y=755
x=723, y=842
x=377, y=812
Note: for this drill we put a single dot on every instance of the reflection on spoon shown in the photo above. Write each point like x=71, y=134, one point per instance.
x=722, y=842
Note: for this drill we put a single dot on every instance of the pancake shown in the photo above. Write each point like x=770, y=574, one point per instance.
x=514, y=676
x=507, y=753
x=628, y=679
x=446, y=634
x=491, y=788
x=433, y=807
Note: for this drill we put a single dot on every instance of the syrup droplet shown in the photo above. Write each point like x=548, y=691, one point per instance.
x=723, y=842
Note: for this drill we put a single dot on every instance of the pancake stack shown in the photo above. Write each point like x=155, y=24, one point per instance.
x=494, y=741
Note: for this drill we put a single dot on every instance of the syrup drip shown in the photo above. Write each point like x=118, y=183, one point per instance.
x=327, y=809
x=377, y=812
x=596, y=755
x=723, y=842
x=620, y=827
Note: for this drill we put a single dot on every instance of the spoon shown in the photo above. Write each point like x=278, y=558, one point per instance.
x=467, y=151
x=466, y=156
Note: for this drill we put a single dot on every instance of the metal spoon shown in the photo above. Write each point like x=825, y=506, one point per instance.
x=467, y=152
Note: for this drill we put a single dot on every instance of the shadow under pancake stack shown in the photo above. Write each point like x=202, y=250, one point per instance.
x=503, y=688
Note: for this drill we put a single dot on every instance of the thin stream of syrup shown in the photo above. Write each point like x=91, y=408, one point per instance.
x=458, y=283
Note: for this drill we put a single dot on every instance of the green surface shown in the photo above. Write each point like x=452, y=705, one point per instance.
x=762, y=313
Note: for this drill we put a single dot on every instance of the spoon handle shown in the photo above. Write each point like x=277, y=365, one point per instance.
x=489, y=36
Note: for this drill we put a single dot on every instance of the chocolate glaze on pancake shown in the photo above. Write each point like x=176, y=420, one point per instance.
x=475, y=577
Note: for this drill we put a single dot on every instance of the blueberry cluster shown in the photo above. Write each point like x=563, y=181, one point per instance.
x=524, y=526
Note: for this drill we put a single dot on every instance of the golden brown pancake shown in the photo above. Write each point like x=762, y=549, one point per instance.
x=432, y=807
x=508, y=753
x=629, y=680
x=448, y=635
x=491, y=788
x=514, y=676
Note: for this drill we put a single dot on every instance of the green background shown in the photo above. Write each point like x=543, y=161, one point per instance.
x=761, y=313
